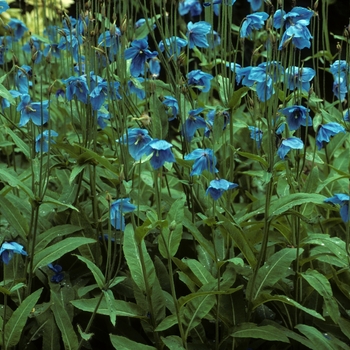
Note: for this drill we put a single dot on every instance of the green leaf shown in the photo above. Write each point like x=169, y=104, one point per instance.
x=236, y=96
x=318, y=340
x=110, y=302
x=199, y=271
x=167, y=323
x=55, y=201
x=19, y=143
x=274, y=269
x=75, y=172
x=4, y=93
x=97, y=273
x=255, y=157
x=173, y=342
x=17, y=321
x=54, y=252
x=122, y=343
x=15, y=183
x=52, y=233
x=14, y=217
x=321, y=284
x=64, y=324
x=251, y=330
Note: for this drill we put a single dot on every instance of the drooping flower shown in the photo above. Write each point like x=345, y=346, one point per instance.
x=136, y=139
x=211, y=116
x=4, y=6
x=299, y=78
x=343, y=200
x=173, y=106
x=161, y=152
x=117, y=211
x=36, y=111
x=299, y=34
x=252, y=22
x=340, y=68
x=58, y=276
x=326, y=131
x=192, y=6
x=298, y=15
x=7, y=250
x=288, y=144
x=138, y=53
x=200, y=79
x=172, y=46
x=197, y=34
x=52, y=50
x=5, y=103
x=102, y=91
x=110, y=40
x=193, y=123
x=204, y=159
x=18, y=28
x=255, y=4
x=296, y=116
x=256, y=134
x=101, y=117
x=70, y=42
x=42, y=140
x=154, y=67
x=23, y=79
x=135, y=87
x=5, y=45
x=217, y=188
x=76, y=86
x=339, y=88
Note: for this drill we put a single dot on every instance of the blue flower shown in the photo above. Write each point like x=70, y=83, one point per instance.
x=278, y=20
x=138, y=53
x=161, y=152
x=70, y=42
x=255, y=4
x=299, y=78
x=296, y=116
x=52, y=50
x=192, y=6
x=264, y=82
x=136, y=139
x=173, y=106
x=6, y=103
x=154, y=67
x=36, y=111
x=18, y=28
x=58, y=276
x=299, y=34
x=343, y=200
x=101, y=117
x=210, y=120
x=346, y=115
x=340, y=68
x=197, y=34
x=135, y=87
x=256, y=134
x=7, y=250
x=298, y=15
x=339, y=88
x=172, y=46
x=4, y=6
x=76, y=86
x=217, y=188
x=199, y=79
x=118, y=208
x=5, y=44
x=193, y=123
x=22, y=79
x=288, y=144
x=110, y=39
x=253, y=21
x=204, y=160
x=42, y=140
x=102, y=91
x=326, y=131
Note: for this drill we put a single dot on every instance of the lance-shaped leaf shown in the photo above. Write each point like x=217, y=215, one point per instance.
x=122, y=343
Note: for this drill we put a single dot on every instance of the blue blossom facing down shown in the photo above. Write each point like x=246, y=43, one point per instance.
x=288, y=144
x=135, y=87
x=296, y=116
x=345, y=117
x=212, y=114
x=204, y=159
x=76, y=86
x=110, y=39
x=138, y=53
x=7, y=250
x=326, y=131
x=35, y=111
x=339, y=88
x=343, y=200
x=299, y=78
x=117, y=211
x=255, y=4
x=197, y=34
x=190, y=6
x=22, y=79
x=102, y=91
x=299, y=34
x=297, y=15
x=52, y=50
x=101, y=119
x=256, y=134
x=340, y=68
x=173, y=106
x=18, y=28
x=200, y=79
x=58, y=276
x=42, y=140
x=5, y=45
x=4, y=6
x=136, y=139
x=278, y=20
x=154, y=67
x=70, y=42
x=193, y=123
x=252, y=22
x=161, y=152
x=172, y=46
x=217, y=188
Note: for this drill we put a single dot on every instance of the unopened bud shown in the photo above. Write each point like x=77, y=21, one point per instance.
x=109, y=197
x=172, y=225
x=338, y=46
x=124, y=25
x=316, y=5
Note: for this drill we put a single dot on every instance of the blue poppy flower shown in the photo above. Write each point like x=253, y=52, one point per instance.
x=18, y=28
x=161, y=152
x=70, y=42
x=264, y=82
x=298, y=15
x=296, y=116
x=197, y=34
x=58, y=276
x=6, y=103
x=154, y=67
x=210, y=120
x=52, y=50
x=192, y=6
x=217, y=188
x=343, y=200
x=326, y=131
x=102, y=91
x=42, y=140
x=110, y=39
x=278, y=20
x=200, y=79
x=253, y=21
x=138, y=53
x=22, y=79
x=4, y=6
x=193, y=123
x=135, y=87
x=136, y=139
x=7, y=250
x=255, y=4
x=299, y=78
x=101, y=117
x=299, y=34
x=172, y=46
x=118, y=208
x=339, y=88
x=340, y=68
x=288, y=144
x=36, y=111
x=76, y=86
x=346, y=115
x=204, y=160
x=256, y=134
x=173, y=106
x=5, y=45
